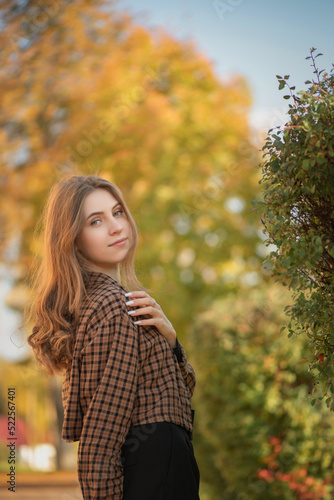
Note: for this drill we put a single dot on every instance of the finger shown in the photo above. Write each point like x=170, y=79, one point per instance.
x=143, y=310
x=143, y=322
x=139, y=302
x=136, y=294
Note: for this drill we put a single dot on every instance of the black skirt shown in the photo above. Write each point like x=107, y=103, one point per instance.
x=159, y=463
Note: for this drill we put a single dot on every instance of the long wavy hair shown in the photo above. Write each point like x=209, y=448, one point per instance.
x=58, y=279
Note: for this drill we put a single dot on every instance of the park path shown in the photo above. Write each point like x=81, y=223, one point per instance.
x=59, y=485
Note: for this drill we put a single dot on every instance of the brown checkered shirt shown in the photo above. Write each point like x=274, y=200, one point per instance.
x=121, y=374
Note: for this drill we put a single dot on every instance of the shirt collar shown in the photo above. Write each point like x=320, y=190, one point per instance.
x=94, y=277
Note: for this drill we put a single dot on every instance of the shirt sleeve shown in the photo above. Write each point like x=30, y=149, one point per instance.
x=187, y=370
x=108, y=416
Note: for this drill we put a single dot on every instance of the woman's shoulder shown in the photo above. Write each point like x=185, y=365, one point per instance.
x=104, y=298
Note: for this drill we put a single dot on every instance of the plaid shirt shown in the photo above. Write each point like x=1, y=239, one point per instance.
x=121, y=374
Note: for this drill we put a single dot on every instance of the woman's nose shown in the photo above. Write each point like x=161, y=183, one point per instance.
x=114, y=227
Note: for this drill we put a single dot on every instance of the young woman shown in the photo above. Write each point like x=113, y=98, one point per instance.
x=127, y=384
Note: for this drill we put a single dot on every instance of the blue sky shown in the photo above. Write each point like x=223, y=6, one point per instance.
x=255, y=38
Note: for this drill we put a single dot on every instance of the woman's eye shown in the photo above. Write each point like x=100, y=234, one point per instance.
x=98, y=220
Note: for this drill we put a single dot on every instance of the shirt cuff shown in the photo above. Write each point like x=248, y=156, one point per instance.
x=177, y=351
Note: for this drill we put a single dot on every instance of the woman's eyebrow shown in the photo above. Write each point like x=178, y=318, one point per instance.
x=99, y=213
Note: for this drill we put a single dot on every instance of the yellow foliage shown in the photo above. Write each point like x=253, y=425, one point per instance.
x=89, y=92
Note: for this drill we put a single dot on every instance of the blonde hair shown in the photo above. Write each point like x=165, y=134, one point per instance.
x=58, y=279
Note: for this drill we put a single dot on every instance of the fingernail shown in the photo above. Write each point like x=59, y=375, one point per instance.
x=129, y=303
x=137, y=322
x=128, y=294
x=131, y=312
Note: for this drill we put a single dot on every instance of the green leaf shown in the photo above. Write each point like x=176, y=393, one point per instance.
x=286, y=97
x=281, y=85
x=331, y=252
x=306, y=164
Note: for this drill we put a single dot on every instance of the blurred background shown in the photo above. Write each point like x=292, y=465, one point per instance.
x=172, y=103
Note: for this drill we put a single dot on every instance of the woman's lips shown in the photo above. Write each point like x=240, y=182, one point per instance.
x=118, y=243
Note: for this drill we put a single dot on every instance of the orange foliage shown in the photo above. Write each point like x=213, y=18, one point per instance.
x=303, y=485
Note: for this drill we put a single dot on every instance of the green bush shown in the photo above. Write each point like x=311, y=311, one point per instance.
x=297, y=211
x=255, y=431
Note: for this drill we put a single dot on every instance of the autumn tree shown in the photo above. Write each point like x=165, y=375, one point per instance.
x=85, y=89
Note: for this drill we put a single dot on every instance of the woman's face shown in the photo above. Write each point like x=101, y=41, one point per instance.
x=104, y=224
